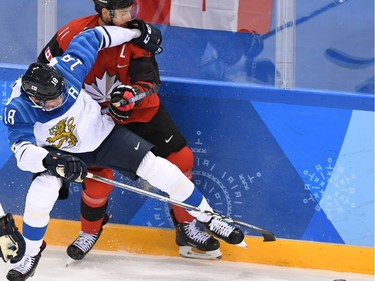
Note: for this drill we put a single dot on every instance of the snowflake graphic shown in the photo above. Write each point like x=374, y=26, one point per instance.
x=316, y=181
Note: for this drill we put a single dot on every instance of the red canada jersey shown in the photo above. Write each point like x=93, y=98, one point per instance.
x=124, y=64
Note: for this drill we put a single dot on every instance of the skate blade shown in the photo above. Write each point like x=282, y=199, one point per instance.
x=192, y=253
x=242, y=244
x=71, y=261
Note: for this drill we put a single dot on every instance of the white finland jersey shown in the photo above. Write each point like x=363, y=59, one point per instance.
x=77, y=126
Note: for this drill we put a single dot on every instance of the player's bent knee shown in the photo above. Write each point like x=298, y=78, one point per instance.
x=161, y=173
x=95, y=189
x=183, y=159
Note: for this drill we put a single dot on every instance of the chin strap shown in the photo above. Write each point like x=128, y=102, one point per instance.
x=111, y=15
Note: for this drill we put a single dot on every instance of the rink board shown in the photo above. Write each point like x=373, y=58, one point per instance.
x=298, y=163
x=290, y=253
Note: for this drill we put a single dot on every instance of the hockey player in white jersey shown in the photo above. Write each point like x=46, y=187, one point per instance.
x=56, y=129
x=12, y=244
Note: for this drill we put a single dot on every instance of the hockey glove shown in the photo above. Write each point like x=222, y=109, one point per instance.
x=121, y=106
x=12, y=244
x=66, y=166
x=150, y=38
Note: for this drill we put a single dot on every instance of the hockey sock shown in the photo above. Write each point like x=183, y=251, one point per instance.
x=184, y=160
x=181, y=214
x=37, y=211
x=92, y=213
x=95, y=201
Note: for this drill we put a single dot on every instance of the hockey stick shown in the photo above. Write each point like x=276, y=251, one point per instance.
x=300, y=20
x=136, y=98
x=346, y=60
x=267, y=235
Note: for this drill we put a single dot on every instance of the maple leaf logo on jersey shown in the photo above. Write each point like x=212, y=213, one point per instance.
x=63, y=132
x=100, y=89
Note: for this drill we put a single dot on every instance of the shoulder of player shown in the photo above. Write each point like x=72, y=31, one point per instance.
x=18, y=110
x=17, y=98
x=80, y=24
x=68, y=31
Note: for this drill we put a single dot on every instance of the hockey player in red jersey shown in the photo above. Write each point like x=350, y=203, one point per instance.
x=123, y=72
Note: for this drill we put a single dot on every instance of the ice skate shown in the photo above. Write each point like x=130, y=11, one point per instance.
x=194, y=243
x=226, y=232
x=83, y=244
x=26, y=267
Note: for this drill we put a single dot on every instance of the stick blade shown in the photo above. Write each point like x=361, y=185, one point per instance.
x=268, y=237
x=348, y=61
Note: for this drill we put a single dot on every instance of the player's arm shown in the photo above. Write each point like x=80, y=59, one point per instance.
x=12, y=244
x=21, y=133
x=36, y=159
x=82, y=51
x=29, y=156
x=150, y=39
x=52, y=49
x=21, y=136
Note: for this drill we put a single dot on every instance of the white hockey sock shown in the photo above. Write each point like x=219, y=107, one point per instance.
x=200, y=216
x=40, y=200
x=33, y=247
x=166, y=176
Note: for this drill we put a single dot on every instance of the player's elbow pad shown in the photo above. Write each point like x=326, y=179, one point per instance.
x=29, y=157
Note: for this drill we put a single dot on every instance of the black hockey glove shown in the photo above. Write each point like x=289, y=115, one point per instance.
x=121, y=105
x=150, y=38
x=66, y=166
x=12, y=244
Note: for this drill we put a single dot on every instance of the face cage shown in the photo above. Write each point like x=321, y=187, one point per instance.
x=41, y=103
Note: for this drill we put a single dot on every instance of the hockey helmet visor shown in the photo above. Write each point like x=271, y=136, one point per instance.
x=112, y=5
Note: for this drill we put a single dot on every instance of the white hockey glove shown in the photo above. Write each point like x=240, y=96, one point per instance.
x=12, y=243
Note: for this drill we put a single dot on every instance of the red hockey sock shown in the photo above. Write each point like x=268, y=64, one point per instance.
x=184, y=160
x=94, y=201
x=181, y=215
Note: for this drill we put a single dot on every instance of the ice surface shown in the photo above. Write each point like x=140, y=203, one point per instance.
x=113, y=266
